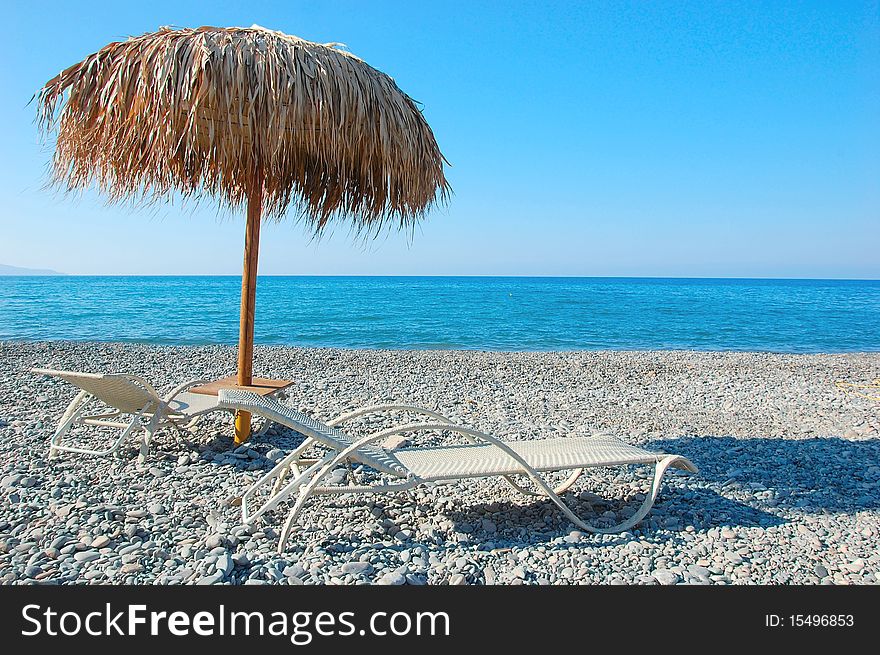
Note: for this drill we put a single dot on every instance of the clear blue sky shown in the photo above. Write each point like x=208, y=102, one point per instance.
x=587, y=138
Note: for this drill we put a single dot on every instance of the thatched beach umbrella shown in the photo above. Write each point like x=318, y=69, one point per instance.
x=255, y=118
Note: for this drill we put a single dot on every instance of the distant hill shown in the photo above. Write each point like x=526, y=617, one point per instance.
x=5, y=269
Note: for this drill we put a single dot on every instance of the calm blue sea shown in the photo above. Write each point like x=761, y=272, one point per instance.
x=487, y=313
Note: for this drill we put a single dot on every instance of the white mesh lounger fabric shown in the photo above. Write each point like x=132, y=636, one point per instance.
x=126, y=395
x=485, y=456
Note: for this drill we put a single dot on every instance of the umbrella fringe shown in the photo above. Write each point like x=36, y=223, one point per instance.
x=210, y=110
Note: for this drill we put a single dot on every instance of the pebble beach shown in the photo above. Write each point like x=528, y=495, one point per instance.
x=788, y=490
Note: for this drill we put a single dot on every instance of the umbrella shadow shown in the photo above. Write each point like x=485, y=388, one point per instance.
x=217, y=446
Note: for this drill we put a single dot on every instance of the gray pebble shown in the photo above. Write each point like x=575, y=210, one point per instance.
x=392, y=578
x=357, y=568
x=86, y=556
x=665, y=576
x=210, y=579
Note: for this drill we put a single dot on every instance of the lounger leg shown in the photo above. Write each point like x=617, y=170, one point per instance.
x=281, y=470
x=136, y=423
x=278, y=493
x=263, y=428
x=314, y=478
x=283, y=473
x=149, y=432
x=659, y=470
x=180, y=432
x=288, y=524
x=192, y=423
x=71, y=414
x=561, y=489
x=312, y=488
x=327, y=464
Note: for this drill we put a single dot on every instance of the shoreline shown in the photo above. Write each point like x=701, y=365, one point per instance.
x=695, y=351
x=788, y=490
x=548, y=276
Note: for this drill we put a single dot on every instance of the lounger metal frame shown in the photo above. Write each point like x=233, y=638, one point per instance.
x=298, y=474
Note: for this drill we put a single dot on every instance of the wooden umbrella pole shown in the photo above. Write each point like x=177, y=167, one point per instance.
x=248, y=299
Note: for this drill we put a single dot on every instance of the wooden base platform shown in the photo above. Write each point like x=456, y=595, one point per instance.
x=262, y=386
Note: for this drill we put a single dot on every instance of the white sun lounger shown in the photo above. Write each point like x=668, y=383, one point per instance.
x=126, y=395
x=484, y=456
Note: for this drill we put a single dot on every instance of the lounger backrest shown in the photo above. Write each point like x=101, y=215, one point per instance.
x=332, y=438
x=116, y=390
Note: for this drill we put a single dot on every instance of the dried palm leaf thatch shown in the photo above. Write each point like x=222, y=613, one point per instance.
x=231, y=110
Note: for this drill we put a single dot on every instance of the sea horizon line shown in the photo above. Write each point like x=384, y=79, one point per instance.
x=457, y=276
